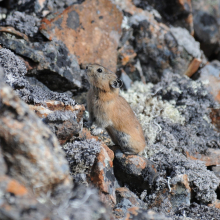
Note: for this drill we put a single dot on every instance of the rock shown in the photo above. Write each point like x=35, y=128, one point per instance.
x=216, y=170
x=173, y=53
x=178, y=13
x=150, y=215
x=16, y=199
x=32, y=152
x=216, y=204
x=39, y=185
x=206, y=24
x=193, y=67
x=81, y=156
x=158, y=47
x=127, y=203
x=40, y=7
x=135, y=171
x=28, y=88
x=92, y=23
x=198, y=212
x=211, y=157
x=61, y=68
x=204, y=182
x=102, y=174
x=65, y=121
x=12, y=31
x=26, y=24
x=180, y=191
x=215, y=117
x=210, y=75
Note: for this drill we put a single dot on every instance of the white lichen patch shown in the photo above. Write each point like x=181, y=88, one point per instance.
x=147, y=108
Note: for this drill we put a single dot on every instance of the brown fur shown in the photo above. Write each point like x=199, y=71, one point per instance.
x=111, y=111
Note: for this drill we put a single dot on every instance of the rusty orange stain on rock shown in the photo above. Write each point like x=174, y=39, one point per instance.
x=133, y=210
x=212, y=158
x=216, y=204
x=138, y=161
x=92, y=23
x=16, y=188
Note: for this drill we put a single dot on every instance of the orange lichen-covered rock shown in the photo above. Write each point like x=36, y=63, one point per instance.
x=88, y=31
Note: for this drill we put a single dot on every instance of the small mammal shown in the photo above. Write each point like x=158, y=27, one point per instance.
x=109, y=110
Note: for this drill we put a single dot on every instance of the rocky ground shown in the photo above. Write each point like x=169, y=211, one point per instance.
x=167, y=53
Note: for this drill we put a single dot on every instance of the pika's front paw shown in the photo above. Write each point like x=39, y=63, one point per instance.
x=96, y=131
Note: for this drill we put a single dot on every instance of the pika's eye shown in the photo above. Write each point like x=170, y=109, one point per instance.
x=99, y=70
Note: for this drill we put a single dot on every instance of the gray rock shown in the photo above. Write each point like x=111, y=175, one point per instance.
x=81, y=156
x=27, y=24
x=52, y=65
x=28, y=88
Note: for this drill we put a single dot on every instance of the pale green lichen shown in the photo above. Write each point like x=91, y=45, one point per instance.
x=147, y=108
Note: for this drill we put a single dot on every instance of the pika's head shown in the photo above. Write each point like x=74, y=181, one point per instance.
x=102, y=78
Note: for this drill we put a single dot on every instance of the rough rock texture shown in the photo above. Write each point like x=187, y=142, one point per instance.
x=177, y=177
x=127, y=203
x=134, y=171
x=81, y=156
x=158, y=47
x=206, y=24
x=41, y=187
x=176, y=12
x=41, y=7
x=177, y=43
x=197, y=212
x=175, y=117
x=64, y=124
x=211, y=77
x=28, y=88
x=103, y=176
x=150, y=215
x=92, y=23
x=50, y=62
x=26, y=24
x=24, y=153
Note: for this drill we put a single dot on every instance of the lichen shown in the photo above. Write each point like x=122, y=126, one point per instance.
x=81, y=156
x=147, y=107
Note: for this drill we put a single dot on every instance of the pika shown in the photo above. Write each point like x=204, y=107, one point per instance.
x=109, y=110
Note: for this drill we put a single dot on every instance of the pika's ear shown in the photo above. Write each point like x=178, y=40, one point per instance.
x=116, y=84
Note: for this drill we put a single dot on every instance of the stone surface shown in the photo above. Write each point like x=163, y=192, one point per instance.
x=50, y=62
x=26, y=142
x=158, y=47
x=65, y=121
x=92, y=23
x=176, y=12
x=135, y=171
x=206, y=16
x=26, y=24
x=215, y=117
x=127, y=203
x=193, y=67
x=210, y=75
x=211, y=157
x=150, y=215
